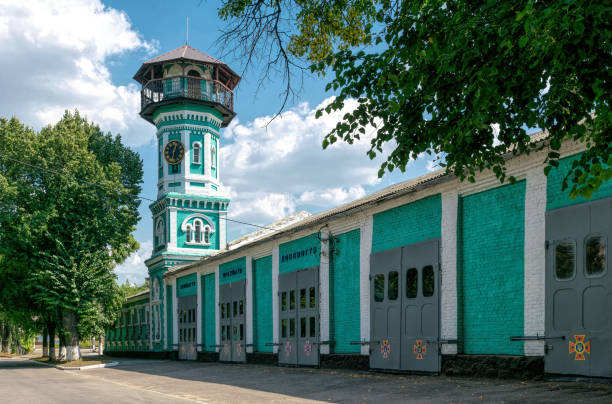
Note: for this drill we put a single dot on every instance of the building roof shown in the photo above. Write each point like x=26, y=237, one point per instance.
x=139, y=294
x=184, y=52
x=393, y=191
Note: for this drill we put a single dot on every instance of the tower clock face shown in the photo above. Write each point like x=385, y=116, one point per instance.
x=174, y=152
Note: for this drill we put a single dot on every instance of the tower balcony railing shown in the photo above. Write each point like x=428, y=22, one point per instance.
x=195, y=88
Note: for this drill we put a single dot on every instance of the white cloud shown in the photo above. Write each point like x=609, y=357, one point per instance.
x=276, y=168
x=55, y=56
x=134, y=268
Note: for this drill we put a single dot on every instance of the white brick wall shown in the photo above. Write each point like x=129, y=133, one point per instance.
x=275, y=296
x=535, y=259
x=324, y=291
x=249, y=303
x=448, y=304
x=365, y=249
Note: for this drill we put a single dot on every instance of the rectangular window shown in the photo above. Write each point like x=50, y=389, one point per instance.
x=303, y=327
x=302, y=298
x=428, y=281
x=292, y=300
x=379, y=287
x=565, y=259
x=313, y=327
x=235, y=308
x=284, y=301
x=313, y=298
x=241, y=332
x=595, y=255
x=222, y=310
x=284, y=328
x=292, y=327
x=393, y=285
x=174, y=168
x=412, y=281
x=241, y=308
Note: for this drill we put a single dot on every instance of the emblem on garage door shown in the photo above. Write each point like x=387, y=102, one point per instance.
x=579, y=346
x=419, y=349
x=307, y=347
x=288, y=348
x=385, y=348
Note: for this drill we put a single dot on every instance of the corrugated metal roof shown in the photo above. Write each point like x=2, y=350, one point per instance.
x=139, y=294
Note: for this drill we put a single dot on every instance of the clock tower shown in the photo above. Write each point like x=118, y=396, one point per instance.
x=189, y=97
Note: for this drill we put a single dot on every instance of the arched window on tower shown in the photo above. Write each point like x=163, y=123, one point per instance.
x=198, y=231
x=189, y=233
x=207, y=235
x=196, y=153
x=213, y=157
x=160, y=233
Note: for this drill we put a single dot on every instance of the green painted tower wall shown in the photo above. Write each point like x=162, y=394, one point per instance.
x=345, y=314
x=297, y=254
x=262, y=304
x=181, y=236
x=169, y=331
x=407, y=224
x=232, y=271
x=208, y=312
x=491, y=269
x=556, y=198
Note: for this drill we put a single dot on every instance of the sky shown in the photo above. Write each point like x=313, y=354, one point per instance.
x=82, y=54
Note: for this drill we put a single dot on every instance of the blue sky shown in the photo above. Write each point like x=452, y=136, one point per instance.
x=82, y=54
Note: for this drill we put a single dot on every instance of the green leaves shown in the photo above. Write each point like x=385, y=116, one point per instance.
x=77, y=198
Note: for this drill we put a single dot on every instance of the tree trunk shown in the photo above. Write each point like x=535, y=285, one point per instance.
x=62, y=348
x=102, y=341
x=51, y=341
x=71, y=336
x=6, y=338
x=45, y=343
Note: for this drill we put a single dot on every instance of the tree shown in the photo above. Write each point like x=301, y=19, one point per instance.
x=129, y=289
x=443, y=77
x=69, y=222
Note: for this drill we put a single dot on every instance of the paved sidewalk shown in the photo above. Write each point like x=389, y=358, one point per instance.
x=156, y=381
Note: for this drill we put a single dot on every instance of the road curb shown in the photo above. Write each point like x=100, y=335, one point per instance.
x=99, y=365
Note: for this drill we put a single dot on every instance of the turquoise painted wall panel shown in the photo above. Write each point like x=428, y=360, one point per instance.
x=262, y=304
x=302, y=253
x=492, y=270
x=209, y=320
x=344, y=278
x=181, y=237
x=169, y=332
x=232, y=271
x=407, y=224
x=199, y=167
x=556, y=198
x=187, y=285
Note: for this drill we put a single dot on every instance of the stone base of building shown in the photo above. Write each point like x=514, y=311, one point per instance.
x=496, y=366
x=345, y=361
x=208, y=356
x=138, y=354
x=262, y=358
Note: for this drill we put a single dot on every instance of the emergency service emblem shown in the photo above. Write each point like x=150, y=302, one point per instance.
x=288, y=348
x=307, y=347
x=419, y=349
x=579, y=347
x=385, y=348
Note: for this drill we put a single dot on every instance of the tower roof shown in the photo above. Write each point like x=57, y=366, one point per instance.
x=186, y=53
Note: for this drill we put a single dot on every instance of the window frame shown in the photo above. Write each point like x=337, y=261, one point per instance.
x=555, y=273
x=605, y=265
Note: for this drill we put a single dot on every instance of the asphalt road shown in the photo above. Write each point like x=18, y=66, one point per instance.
x=160, y=381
